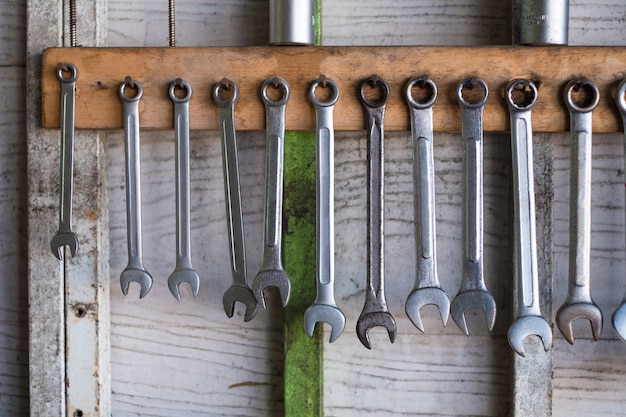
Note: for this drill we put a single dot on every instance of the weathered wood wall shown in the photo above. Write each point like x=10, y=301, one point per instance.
x=187, y=359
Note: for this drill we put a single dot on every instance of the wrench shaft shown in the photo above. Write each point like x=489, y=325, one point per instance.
x=67, y=154
x=133, y=185
x=183, y=224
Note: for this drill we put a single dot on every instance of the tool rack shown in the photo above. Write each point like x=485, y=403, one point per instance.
x=98, y=105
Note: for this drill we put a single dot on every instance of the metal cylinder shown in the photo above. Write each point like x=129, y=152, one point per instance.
x=291, y=22
x=541, y=22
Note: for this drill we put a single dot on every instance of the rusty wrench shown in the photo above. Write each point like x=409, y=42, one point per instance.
x=427, y=289
x=473, y=293
x=134, y=271
x=183, y=271
x=579, y=304
x=65, y=236
x=529, y=320
x=272, y=273
x=239, y=290
x=324, y=308
x=375, y=312
x=619, y=317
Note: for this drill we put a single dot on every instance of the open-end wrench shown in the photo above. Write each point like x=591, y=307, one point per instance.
x=65, y=236
x=427, y=289
x=375, y=312
x=324, y=309
x=579, y=304
x=619, y=317
x=134, y=271
x=473, y=293
x=272, y=273
x=529, y=320
x=183, y=271
x=239, y=290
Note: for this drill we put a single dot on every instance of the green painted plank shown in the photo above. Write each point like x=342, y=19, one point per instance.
x=303, y=377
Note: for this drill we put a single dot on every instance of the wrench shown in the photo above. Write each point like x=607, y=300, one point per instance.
x=427, y=289
x=183, y=271
x=324, y=308
x=65, y=236
x=375, y=312
x=239, y=290
x=579, y=304
x=272, y=273
x=473, y=293
x=619, y=317
x=529, y=320
x=134, y=271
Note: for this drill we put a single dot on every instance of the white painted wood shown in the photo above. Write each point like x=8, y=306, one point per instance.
x=69, y=359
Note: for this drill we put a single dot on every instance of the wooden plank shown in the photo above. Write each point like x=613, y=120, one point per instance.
x=98, y=105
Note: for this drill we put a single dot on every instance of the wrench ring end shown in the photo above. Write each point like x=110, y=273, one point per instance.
x=329, y=84
x=185, y=86
x=373, y=81
x=513, y=85
x=426, y=83
x=577, y=83
x=137, y=86
x=282, y=84
x=217, y=93
x=67, y=67
x=620, y=97
x=472, y=82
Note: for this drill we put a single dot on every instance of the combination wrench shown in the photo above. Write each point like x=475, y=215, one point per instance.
x=183, y=271
x=239, y=290
x=578, y=304
x=324, y=309
x=375, y=312
x=64, y=235
x=529, y=320
x=619, y=317
x=272, y=273
x=473, y=293
x=134, y=271
x=427, y=289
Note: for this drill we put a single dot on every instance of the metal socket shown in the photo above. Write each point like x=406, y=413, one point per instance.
x=541, y=22
x=291, y=22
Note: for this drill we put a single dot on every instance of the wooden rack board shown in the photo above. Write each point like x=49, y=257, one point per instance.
x=101, y=70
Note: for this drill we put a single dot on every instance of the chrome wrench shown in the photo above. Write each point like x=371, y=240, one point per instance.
x=619, y=317
x=183, y=271
x=427, y=289
x=529, y=320
x=239, y=290
x=65, y=236
x=473, y=293
x=134, y=271
x=324, y=308
x=272, y=273
x=375, y=312
x=579, y=304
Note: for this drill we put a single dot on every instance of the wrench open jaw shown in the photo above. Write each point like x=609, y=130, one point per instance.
x=619, y=317
x=579, y=304
x=427, y=290
x=324, y=313
x=243, y=294
x=473, y=299
x=526, y=326
x=271, y=278
x=62, y=239
x=421, y=297
x=140, y=276
x=369, y=320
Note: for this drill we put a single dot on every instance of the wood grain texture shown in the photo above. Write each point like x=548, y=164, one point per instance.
x=98, y=104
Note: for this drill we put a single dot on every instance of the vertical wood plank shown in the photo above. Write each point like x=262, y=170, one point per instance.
x=69, y=301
